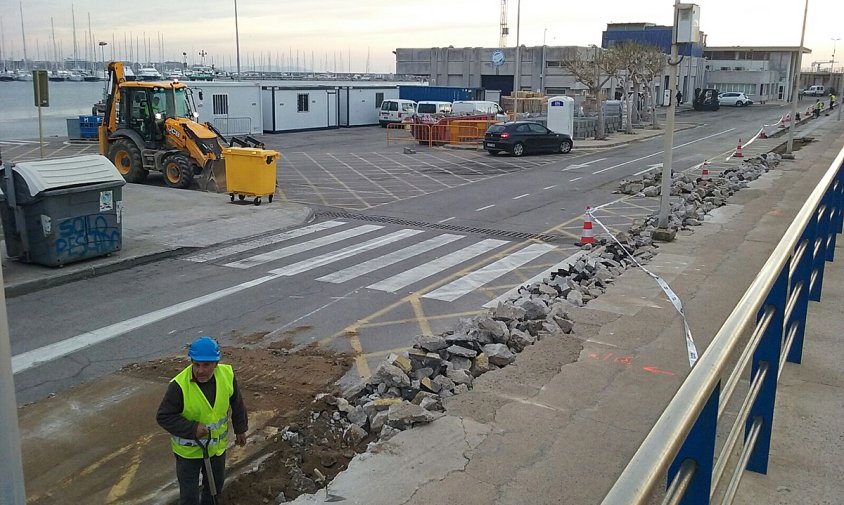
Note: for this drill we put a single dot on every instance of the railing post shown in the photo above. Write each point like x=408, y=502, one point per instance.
x=700, y=447
x=803, y=273
x=768, y=351
x=822, y=233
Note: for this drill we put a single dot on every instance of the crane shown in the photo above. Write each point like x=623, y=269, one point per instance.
x=816, y=65
x=502, y=41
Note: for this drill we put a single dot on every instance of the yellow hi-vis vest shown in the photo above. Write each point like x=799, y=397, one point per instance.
x=198, y=409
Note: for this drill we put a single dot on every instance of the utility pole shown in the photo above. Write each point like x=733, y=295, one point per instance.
x=788, y=154
x=668, y=139
x=12, y=490
x=517, y=83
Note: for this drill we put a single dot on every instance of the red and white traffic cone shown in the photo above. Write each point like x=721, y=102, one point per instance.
x=704, y=173
x=587, y=236
x=738, y=150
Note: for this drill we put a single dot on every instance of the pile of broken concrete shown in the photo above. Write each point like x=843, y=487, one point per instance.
x=698, y=195
x=408, y=388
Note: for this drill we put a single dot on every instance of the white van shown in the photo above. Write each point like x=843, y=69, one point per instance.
x=476, y=107
x=394, y=110
x=431, y=111
x=815, y=91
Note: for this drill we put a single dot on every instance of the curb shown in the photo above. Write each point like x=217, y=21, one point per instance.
x=22, y=288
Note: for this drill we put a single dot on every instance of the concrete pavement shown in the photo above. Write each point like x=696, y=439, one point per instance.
x=561, y=423
x=159, y=222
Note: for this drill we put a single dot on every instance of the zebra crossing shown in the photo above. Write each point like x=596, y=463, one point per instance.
x=347, y=241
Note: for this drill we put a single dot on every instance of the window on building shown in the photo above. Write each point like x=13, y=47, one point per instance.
x=302, y=103
x=221, y=104
x=553, y=64
x=379, y=98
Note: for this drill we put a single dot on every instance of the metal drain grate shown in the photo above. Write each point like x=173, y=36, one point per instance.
x=512, y=235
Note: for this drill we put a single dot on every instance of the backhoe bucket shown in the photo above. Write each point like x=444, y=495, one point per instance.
x=213, y=177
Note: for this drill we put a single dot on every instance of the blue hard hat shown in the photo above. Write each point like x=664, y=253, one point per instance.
x=204, y=349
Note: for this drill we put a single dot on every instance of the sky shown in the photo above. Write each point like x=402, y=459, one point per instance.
x=340, y=32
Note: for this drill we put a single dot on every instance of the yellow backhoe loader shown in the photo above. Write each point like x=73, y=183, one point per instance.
x=151, y=126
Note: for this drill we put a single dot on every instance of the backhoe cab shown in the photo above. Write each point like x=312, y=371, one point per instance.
x=151, y=126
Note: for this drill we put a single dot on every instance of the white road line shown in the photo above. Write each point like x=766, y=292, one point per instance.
x=549, y=187
x=30, y=359
x=575, y=179
x=478, y=278
x=290, y=250
x=536, y=278
x=640, y=172
x=521, y=196
x=445, y=220
x=581, y=165
x=485, y=208
x=660, y=152
x=392, y=258
x=416, y=274
x=260, y=242
x=347, y=252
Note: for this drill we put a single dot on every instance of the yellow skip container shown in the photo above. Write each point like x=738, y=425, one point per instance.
x=251, y=172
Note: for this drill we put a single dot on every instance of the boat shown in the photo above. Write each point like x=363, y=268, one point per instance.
x=75, y=77
x=200, y=73
x=149, y=73
x=59, y=76
x=23, y=76
x=7, y=75
x=175, y=75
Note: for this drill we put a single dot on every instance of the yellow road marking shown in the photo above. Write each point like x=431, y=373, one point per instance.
x=424, y=326
x=413, y=319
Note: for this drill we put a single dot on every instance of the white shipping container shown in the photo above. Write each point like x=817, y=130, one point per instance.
x=359, y=106
x=234, y=108
x=299, y=108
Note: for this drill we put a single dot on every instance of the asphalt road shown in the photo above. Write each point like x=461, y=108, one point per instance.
x=364, y=278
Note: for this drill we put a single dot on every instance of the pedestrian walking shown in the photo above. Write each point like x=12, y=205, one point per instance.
x=195, y=411
x=831, y=100
x=679, y=97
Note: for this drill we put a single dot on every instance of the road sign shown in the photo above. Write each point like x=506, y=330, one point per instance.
x=497, y=57
x=39, y=87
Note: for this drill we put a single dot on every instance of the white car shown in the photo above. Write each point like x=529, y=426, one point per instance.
x=734, y=98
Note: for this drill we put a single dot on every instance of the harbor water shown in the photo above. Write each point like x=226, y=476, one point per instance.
x=19, y=115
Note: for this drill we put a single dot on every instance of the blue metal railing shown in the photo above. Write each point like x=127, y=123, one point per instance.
x=682, y=443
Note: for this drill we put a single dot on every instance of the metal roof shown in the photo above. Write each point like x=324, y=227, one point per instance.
x=45, y=175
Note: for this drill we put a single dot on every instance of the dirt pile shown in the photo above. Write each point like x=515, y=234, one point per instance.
x=300, y=442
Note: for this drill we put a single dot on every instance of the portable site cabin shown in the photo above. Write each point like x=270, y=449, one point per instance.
x=359, y=105
x=288, y=108
x=234, y=108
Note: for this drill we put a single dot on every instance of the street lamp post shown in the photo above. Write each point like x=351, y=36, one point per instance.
x=102, y=52
x=542, y=71
x=790, y=144
x=668, y=138
x=517, y=85
x=237, y=39
x=834, y=40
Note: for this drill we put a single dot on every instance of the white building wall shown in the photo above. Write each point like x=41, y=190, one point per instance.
x=238, y=106
x=359, y=106
x=285, y=114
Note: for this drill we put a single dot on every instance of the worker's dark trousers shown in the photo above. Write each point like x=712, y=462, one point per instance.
x=187, y=472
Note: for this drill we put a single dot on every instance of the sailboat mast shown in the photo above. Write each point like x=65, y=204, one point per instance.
x=23, y=37
x=75, y=47
x=55, y=51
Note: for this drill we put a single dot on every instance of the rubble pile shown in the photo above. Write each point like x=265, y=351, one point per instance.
x=699, y=195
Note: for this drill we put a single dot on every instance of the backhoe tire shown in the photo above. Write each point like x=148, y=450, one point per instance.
x=178, y=171
x=126, y=156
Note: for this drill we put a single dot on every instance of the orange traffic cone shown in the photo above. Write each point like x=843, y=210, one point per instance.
x=738, y=150
x=587, y=236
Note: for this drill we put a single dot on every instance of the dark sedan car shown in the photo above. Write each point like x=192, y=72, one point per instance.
x=520, y=137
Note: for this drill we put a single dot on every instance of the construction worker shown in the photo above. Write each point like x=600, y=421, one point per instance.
x=818, y=107
x=195, y=410
x=831, y=101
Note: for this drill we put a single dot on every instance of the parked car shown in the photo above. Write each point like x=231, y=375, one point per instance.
x=734, y=98
x=520, y=137
x=432, y=107
x=395, y=110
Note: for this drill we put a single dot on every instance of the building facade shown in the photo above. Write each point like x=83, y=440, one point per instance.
x=764, y=73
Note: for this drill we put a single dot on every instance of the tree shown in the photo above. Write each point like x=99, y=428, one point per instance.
x=593, y=72
x=653, y=64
